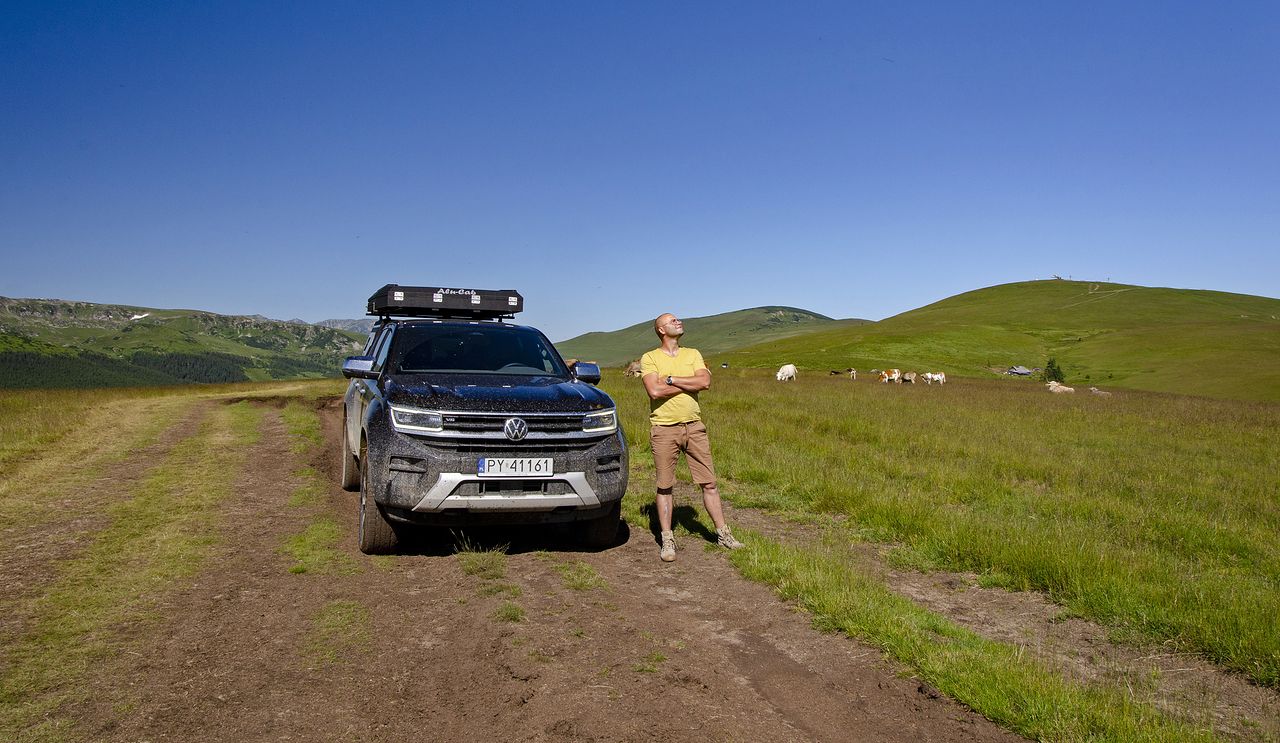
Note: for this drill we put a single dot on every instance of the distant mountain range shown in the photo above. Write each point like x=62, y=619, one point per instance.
x=713, y=334
x=57, y=343
x=1110, y=335
x=362, y=326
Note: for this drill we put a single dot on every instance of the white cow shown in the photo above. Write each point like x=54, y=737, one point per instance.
x=786, y=373
x=1100, y=393
x=1058, y=388
x=931, y=377
x=891, y=375
x=909, y=378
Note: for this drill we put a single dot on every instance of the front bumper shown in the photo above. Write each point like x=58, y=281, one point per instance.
x=434, y=482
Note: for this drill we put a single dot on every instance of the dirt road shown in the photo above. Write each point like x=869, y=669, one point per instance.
x=608, y=645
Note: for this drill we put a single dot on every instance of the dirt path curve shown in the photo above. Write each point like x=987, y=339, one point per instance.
x=631, y=650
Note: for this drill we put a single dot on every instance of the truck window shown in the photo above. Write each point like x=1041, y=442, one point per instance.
x=383, y=347
x=475, y=349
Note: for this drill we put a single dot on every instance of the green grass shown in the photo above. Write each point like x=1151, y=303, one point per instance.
x=311, y=491
x=579, y=576
x=996, y=679
x=316, y=551
x=161, y=533
x=509, y=612
x=31, y=421
x=501, y=589
x=485, y=564
x=1155, y=515
x=1108, y=335
x=340, y=631
x=302, y=421
x=650, y=663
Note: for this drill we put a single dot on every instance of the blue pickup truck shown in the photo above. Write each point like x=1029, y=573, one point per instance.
x=456, y=417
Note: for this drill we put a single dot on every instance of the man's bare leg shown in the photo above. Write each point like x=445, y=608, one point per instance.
x=711, y=501
x=665, y=501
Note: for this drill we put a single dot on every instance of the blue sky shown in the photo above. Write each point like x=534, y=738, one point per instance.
x=616, y=160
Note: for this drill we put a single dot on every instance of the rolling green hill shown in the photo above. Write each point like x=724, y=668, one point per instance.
x=713, y=334
x=56, y=343
x=1110, y=335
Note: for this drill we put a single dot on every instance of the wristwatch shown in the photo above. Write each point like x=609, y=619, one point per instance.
x=668, y=380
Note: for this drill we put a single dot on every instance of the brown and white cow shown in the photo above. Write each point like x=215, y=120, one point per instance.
x=890, y=375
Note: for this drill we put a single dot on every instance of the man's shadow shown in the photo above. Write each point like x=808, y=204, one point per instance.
x=685, y=516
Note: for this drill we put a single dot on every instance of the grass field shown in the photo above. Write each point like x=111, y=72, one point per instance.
x=1156, y=515
x=1186, y=341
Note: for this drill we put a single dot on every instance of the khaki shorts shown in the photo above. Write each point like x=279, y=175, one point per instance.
x=691, y=438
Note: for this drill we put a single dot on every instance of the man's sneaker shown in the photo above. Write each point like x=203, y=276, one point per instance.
x=725, y=538
x=668, y=553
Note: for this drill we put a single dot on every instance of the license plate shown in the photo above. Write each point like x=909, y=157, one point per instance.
x=514, y=467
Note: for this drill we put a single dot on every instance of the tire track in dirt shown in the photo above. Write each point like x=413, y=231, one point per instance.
x=32, y=551
x=657, y=653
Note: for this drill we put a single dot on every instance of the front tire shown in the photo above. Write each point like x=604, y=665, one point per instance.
x=350, y=465
x=603, y=531
x=376, y=535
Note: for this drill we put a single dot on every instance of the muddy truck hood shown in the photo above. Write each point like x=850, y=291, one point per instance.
x=496, y=394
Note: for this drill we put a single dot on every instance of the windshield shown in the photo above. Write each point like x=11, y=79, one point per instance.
x=474, y=349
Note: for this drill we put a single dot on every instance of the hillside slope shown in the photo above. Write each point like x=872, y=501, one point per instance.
x=57, y=343
x=1171, y=340
x=713, y=334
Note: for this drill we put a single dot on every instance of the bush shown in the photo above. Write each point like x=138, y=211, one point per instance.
x=1052, y=373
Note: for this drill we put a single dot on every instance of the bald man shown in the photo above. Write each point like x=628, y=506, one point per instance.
x=673, y=377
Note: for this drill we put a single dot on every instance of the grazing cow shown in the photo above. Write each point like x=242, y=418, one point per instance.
x=931, y=377
x=786, y=373
x=909, y=377
x=890, y=375
x=853, y=373
x=633, y=369
x=1058, y=388
x=1099, y=393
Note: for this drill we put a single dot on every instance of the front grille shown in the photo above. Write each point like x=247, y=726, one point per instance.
x=513, y=487
x=485, y=423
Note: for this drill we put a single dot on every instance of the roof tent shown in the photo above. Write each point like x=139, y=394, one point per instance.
x=438, y=301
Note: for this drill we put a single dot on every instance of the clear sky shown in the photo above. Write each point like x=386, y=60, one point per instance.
x=613, y=160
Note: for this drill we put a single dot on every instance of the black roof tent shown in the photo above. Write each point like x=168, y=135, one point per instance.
x=438, y=301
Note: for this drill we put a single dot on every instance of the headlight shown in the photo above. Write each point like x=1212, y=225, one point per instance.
x=412, y=420
x=601, y=422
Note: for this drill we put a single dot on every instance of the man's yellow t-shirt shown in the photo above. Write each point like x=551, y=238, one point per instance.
x=682, y=407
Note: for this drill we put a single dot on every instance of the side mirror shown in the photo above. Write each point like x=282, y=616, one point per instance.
x=587, y=372
x=359, y=367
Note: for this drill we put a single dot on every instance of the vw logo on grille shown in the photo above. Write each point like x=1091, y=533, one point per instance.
x=515, y=428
